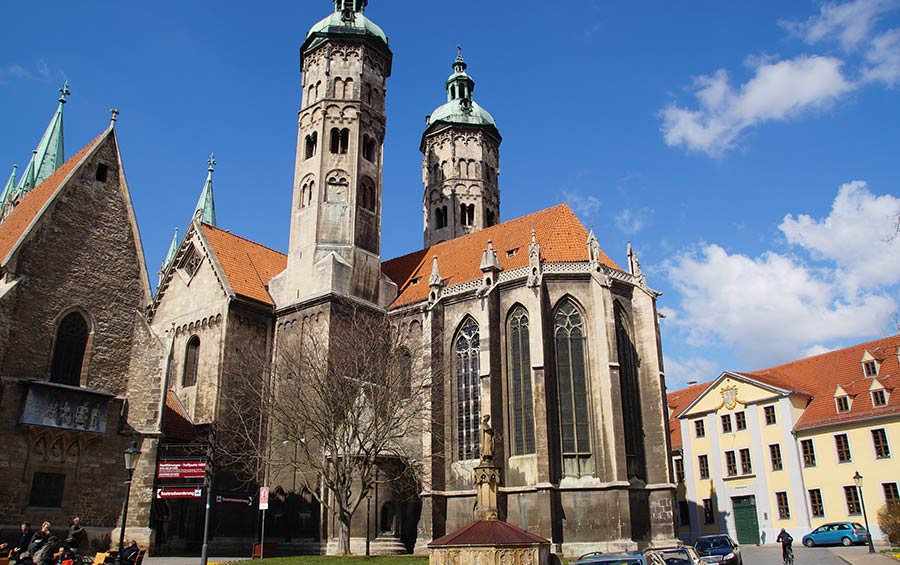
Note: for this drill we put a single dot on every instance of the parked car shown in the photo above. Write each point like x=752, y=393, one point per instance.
x=598, y=558
x=718, y=548
x=845, y=533
x=686, y=555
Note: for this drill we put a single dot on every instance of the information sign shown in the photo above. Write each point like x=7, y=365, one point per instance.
x=181, y=469
x=263, y=498
x=175, y=492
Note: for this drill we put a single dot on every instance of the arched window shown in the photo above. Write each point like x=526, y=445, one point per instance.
x=630, y=390
x=338, y=88
x=348, y=88
x=467, y=214
x=521, y=411
x=335, y=140
x=571, y=377
x=345, y=141
x=468, y=392
x=369, y=148
x=387, y=518
x=365, y=195
x=312, y=141
x=68, y=354
x=191, y=362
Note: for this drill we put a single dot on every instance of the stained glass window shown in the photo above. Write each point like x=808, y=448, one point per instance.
x=468, y=392
x=573, y=393
x=522, y=412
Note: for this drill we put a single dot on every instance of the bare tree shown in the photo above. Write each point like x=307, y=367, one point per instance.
x=342, y=397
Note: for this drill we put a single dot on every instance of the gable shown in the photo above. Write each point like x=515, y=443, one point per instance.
x=731, y=391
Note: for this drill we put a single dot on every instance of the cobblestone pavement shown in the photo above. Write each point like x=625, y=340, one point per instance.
x=771, y=555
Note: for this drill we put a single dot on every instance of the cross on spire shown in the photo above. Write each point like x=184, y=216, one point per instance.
x=212, y=162
x=113, y=115
x=64, y=92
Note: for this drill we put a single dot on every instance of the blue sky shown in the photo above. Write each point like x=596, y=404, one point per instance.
x=749, y=150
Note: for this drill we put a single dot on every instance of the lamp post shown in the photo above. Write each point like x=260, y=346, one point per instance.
x=132, y=453
x=368, y=522
x=858, y=479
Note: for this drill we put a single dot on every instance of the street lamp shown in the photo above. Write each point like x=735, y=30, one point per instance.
x=132, y=453
x=858, y=479
x=368, y=521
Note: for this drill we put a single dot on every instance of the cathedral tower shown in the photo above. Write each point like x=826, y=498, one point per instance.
x=336, y=214
x=461, y=163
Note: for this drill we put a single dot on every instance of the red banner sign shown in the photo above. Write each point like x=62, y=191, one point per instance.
x=181, y=470
x=188, y=492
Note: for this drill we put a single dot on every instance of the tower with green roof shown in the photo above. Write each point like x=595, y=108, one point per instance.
x=461, y=163
x=335, y=242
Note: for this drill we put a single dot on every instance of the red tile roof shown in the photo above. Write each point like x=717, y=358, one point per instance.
x=247, y=265
x=176, y=423
x=489, y=532
x=820, y=376
x=678, y=401
x=559, y=232
x=29, y=208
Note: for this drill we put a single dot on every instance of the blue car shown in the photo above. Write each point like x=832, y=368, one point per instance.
x=844, y=533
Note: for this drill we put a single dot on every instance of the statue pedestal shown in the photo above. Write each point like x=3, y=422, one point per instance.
x=487, y=480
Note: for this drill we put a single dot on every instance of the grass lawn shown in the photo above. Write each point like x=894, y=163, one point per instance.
x=352, y=560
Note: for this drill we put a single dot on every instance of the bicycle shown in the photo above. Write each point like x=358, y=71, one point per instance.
x=788, y=555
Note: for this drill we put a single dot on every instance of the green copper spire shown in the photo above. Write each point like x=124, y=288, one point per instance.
x=8, y=188
x=170, y=256
x=206, y=206
x=50, y=154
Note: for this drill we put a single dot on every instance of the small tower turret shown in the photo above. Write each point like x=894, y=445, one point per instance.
x=206, y=205
x=461, y=163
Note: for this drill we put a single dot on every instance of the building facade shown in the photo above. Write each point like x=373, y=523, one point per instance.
x=527, y=321
x=758, y=451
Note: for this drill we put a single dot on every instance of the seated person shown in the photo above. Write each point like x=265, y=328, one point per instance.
x=130, y=553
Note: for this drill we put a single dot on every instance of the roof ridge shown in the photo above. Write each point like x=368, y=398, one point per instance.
x=231, y=233
x=825, y=354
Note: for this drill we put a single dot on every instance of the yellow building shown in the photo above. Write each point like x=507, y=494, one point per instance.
x=755, y=452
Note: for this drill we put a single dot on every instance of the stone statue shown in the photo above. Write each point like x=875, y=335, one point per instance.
x=487, y=439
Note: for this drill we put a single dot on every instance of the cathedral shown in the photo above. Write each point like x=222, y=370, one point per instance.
x=526, y=320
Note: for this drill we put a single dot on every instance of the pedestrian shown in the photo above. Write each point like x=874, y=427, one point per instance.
x=76, y=534
x=785, y=539
x=39, y=539
x=23, y=541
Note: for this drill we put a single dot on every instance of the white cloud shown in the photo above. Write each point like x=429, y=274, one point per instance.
x=777, y=307
x=681, y=372
x=816, y=349
x=631, y=221
x=584, y=206
x=858, y=236
x=883, y=59
x=850, y=23
x=779, y=90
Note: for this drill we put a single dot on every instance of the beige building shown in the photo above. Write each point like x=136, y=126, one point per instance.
x=758, y=451
x=527, y=321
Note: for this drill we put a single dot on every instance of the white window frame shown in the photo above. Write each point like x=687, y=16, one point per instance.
x=887, y=441
x=837, y=456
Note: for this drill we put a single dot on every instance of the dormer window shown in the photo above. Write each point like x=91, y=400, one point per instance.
x=879, y=397
x=190, y=262
x=843, y=403
x=870, y=368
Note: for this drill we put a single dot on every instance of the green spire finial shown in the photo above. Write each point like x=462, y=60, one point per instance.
x=8, y=188
x=64, y=92
x=206, y=206
x=170, y=256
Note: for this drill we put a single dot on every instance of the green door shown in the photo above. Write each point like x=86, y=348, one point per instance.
x=745, y=521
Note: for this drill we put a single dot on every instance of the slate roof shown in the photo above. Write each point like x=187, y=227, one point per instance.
x=489, y=532
x=247, y=265
x=560, y=233
x=677, y=402
x=29, y=209
x=822, y=374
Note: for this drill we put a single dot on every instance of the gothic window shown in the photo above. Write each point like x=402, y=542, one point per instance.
x=190, y=262
x=468, y=391
x=68, y=353
x=191, y=362
x=311, y=143
x=573, y=393
x=522, y=413
x=629, y=388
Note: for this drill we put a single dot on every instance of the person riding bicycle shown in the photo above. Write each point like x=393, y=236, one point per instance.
x=785, y=539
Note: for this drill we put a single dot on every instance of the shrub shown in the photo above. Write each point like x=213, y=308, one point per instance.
x=889, y=521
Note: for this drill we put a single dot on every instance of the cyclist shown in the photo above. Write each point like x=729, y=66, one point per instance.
x=785, y=539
